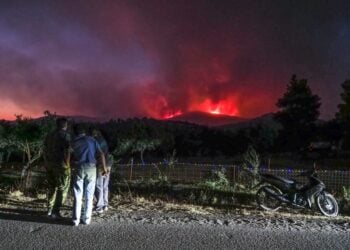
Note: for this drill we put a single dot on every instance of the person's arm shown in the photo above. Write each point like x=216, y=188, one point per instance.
x=104, y=167
x=103, y=158
x=67, y=151
x=67, y=155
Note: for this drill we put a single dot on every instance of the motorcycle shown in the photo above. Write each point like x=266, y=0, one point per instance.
x=275, y=190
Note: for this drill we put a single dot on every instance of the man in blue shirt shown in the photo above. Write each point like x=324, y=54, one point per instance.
x=85, y=149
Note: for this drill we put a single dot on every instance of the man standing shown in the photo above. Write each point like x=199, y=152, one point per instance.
x=102, y=181
x=85, y=149
x=57, y=157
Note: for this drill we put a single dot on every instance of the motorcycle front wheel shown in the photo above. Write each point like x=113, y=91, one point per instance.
x=265, y=200
x=327, y=204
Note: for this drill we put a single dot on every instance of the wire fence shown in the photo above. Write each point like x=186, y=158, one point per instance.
x=194, y=173
x=189, y=173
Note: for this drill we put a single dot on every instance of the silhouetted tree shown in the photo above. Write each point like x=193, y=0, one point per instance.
x=298, y=112
x=343, y=114
x=26, y=136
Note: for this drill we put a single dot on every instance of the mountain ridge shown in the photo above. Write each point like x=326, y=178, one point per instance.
x=196, y=117
x=208, y=119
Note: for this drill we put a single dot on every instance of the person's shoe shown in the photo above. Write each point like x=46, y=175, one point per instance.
x=49, y=212
x=75, y=223
x=85, y=222
x=56, y=216
x=105, y=209
x=99, y=210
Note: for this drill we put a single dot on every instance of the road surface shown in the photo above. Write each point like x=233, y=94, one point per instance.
x=34, y=231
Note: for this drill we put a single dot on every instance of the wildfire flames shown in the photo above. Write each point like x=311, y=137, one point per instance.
x=171, y=115
x=221, y=107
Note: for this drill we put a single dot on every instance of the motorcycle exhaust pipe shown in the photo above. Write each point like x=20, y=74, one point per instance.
x=277, y=196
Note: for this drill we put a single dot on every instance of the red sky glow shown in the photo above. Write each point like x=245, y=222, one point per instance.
x=159, y=59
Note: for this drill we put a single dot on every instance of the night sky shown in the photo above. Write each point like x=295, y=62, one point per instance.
x=158, y=58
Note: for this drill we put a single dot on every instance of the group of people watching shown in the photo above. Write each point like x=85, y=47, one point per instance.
x=82, y=159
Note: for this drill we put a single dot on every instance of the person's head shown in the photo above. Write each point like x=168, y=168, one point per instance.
x=96, y=133
x=79, y=129
x=62, y=123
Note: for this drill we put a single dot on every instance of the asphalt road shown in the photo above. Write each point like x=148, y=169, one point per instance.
x=30, y=232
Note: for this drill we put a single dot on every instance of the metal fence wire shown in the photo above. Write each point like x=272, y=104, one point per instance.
x=194, y=173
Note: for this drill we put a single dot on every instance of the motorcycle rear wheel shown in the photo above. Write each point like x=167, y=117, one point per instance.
x=266, y=201
x=327, y=204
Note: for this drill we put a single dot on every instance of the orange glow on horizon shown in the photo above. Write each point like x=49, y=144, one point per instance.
x=222, y=107
x=9, y=110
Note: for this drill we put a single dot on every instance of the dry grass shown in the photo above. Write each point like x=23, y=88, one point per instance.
x=19, y=196
x=127, y=204
x=142, y=204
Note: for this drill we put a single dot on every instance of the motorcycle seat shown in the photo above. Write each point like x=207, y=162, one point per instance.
x=270, y=176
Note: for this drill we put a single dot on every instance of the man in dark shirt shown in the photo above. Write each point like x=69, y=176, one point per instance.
x=57, y=157
x=85, y=149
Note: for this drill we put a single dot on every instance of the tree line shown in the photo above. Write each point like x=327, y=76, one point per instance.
x=295, y=127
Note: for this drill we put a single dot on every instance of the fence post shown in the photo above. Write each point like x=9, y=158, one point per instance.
x=131, y=165
x=150, y=172
x=234, y=174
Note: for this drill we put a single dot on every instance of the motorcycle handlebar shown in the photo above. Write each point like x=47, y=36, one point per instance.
x=307, y=173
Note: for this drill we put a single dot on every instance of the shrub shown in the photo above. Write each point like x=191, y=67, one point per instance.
x=248, y=177
x=217, y=181
x=345, y=200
